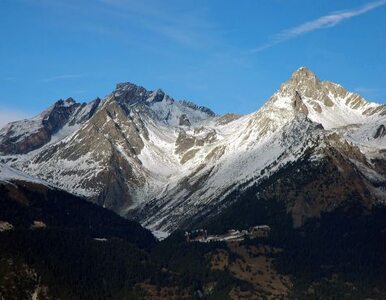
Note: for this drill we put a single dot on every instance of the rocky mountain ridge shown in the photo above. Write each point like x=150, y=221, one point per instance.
x=168, y=163
x=62, y=118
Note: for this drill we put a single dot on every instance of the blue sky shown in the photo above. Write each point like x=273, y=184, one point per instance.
x=228, y=55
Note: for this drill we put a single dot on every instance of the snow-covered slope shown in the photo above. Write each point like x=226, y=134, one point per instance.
x=53, y=124
x=329, y=103
x=100, y=158
x=303, y=116
x=162, y=107
x=9, y=174
x=165, y=162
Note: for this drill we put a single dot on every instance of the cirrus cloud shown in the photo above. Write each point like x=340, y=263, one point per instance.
x=327, y=21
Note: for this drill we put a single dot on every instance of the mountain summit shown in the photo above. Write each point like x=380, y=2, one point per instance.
x=303, y=74
x=171, y=164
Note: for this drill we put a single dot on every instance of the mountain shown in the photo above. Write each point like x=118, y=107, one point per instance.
x=170, y=164
x=53, y=124
x=310, y=164
x=100, y=158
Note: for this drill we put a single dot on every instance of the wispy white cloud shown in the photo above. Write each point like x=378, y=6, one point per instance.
x=61, y=77
x=11, y=114
x=142, y=23
x=326, y=21
x=175, y=20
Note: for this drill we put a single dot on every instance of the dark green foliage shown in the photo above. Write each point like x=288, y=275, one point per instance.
x=11, y=270
x=78, y=267
x=66, y=257
x=348, y=245
x=58, y=209
x=340, y=255
x=191, y=261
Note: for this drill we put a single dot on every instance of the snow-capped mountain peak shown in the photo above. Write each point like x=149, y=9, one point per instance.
x=327, y=103
x=160, y=105
x=130, y=93
x=302, y=80
x=163, y=161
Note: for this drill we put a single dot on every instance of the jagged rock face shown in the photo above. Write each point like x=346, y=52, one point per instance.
x=99, y=161
x=381, y=132
x=203, y=109
x=11, y=145
x=167, y=163
x=184, y=121
x=24, y=136
x=131, y=94
x=306, y=84
x=160, y=105
x=326, y=102
x=298, y=104
x=227, y=118
x=199, y=137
